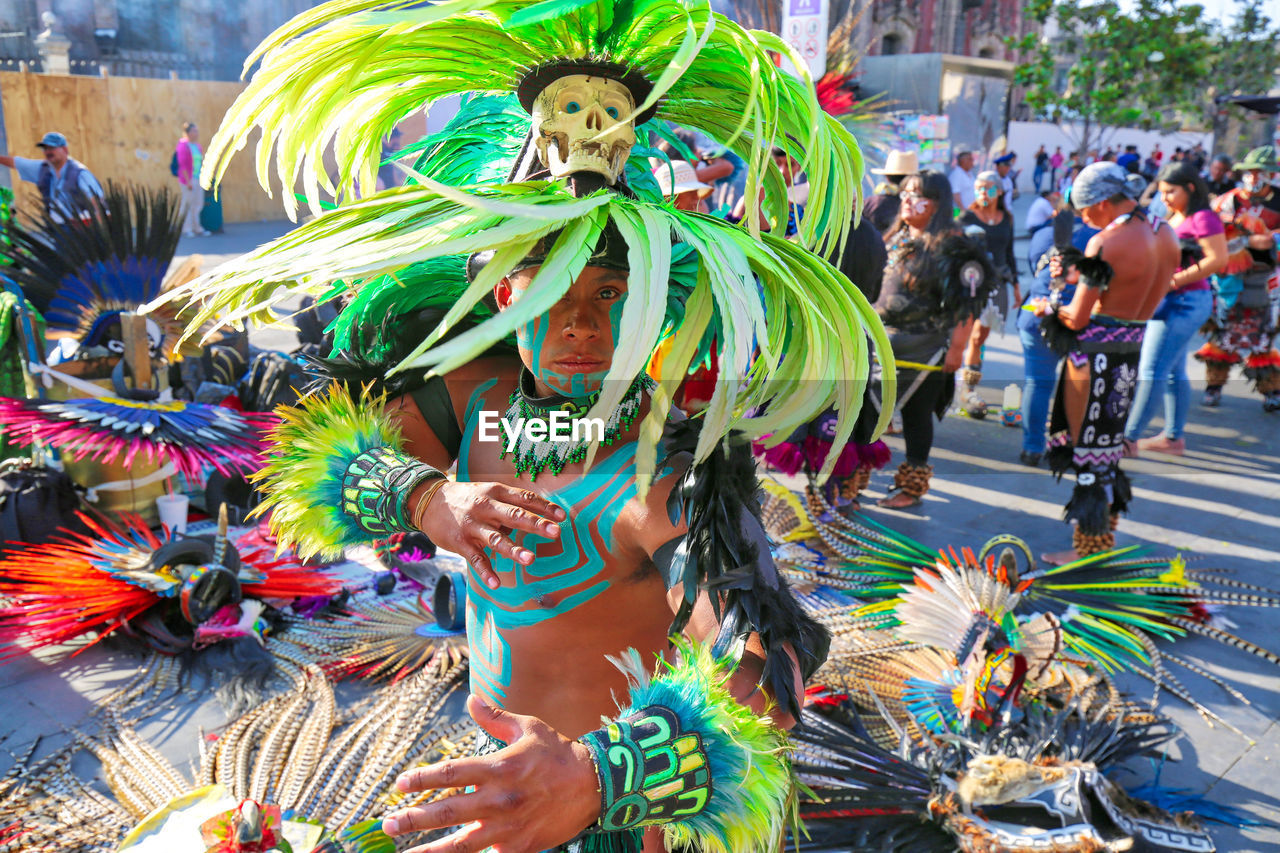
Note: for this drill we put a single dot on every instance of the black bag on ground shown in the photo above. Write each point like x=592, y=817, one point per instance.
x=35, y=502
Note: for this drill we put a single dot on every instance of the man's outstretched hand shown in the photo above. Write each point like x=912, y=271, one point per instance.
x=539, y=792
x=467, y=518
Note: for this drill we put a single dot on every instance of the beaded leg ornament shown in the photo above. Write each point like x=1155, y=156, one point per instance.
x=567, y=434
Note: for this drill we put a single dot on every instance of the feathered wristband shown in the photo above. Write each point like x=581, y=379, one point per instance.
x=687, y=756
x=336, y=477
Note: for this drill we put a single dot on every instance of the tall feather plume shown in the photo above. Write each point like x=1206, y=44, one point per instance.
x=361, y=67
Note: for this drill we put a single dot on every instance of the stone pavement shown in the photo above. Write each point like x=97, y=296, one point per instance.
x=1219, y=504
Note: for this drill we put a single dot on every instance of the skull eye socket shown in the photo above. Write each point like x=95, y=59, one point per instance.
x=572, y=107
x=612, y=112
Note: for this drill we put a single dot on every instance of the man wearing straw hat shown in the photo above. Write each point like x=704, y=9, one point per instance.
x=882, y=208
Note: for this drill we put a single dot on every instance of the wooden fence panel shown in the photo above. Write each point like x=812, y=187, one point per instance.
x=125, y=128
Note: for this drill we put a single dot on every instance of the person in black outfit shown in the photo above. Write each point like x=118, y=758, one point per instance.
x=935, y=283
x=862, y=262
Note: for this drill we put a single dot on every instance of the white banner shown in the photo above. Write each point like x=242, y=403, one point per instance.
x=804, y=27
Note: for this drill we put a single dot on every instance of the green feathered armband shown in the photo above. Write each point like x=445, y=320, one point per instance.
x=335, y=475
x=687, y=756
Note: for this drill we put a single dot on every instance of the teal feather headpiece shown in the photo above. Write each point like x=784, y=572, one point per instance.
x=339, y=77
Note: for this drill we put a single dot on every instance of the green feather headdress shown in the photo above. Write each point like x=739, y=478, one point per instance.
x=814, y=314
x=342, y=75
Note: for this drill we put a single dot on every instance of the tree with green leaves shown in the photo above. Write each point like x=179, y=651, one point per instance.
x=1244, y=62
x=1141, y=65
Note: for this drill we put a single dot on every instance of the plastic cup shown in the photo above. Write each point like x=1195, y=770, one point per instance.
x=173, y=512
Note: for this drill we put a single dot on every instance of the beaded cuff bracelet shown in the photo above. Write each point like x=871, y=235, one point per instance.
x=376, y=488
x=651, y=772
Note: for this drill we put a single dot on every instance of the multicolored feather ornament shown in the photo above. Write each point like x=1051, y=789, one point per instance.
x=81, y=275
x=1110, y=608
x=116, y=429
x=78, y=585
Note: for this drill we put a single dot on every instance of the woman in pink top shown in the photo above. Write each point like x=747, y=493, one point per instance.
x=189, y=160
x=1180, y=315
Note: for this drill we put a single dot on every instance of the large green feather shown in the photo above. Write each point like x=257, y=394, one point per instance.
x=341, y=76
x=805, y=302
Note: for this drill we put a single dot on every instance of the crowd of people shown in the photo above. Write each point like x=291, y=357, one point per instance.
x=1190, y=248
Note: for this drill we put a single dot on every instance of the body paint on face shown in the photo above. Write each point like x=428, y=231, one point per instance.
x=532, y=336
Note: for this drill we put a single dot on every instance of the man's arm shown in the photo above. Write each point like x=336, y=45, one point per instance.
x=1077, y=314
x=28, y=169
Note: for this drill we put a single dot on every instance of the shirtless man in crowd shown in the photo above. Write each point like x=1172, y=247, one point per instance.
x=1138, y=257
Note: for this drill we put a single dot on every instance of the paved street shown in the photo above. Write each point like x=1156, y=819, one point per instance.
x=1220, y=504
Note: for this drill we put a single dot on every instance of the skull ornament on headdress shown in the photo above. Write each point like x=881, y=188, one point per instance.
x=577, y=127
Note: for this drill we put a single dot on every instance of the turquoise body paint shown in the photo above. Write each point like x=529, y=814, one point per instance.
x=530, y=595
x=533, y=335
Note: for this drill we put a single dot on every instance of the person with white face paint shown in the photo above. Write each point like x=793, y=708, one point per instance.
x=990, y=213
x=1247, y=289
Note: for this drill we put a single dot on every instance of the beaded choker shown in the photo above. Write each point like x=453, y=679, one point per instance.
x=561, y=421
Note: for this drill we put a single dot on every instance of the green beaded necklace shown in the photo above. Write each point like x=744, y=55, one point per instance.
x=534, y=457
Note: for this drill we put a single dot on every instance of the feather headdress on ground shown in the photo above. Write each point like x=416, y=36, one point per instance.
x=111, y=429
x=81, y=584
x=82, y=274
x=1034, y=785
x=370, y=64
x=1111, y=607
x=294, y=766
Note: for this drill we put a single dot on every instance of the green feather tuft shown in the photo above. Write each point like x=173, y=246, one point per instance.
x=808, y=308
x=749, y=757
x=302, y=479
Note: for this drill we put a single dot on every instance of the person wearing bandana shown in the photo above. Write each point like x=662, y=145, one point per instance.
x=1246, y=310
x=1121, y=277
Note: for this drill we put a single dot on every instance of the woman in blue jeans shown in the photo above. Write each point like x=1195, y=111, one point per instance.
x=1180, y=315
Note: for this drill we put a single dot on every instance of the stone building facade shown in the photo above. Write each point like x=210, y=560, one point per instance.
x=974, y=28
x=194, y=39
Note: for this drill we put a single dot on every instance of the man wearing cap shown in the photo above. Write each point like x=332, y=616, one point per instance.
x=1246, y=298
x=66, y=185
x=1122, y=275
x=961, y=178
x=1004, y=168
x=882, y=207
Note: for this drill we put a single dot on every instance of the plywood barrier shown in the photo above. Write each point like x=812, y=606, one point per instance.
x=125, y=128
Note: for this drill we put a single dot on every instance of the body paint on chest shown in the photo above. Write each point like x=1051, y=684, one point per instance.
x=556, y=583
